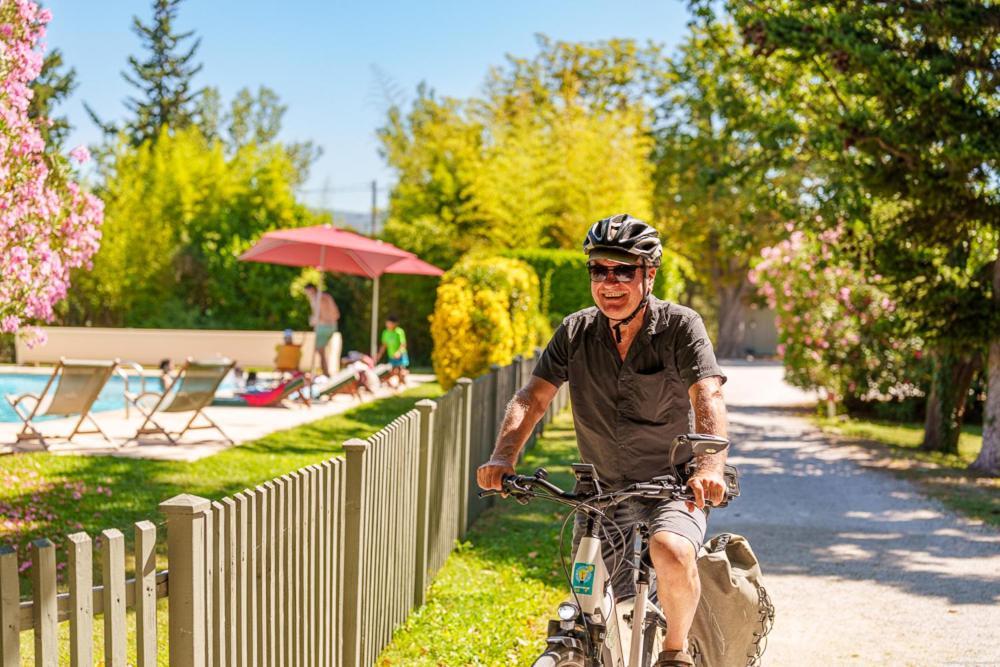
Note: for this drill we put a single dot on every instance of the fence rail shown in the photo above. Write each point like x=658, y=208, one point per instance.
x=316, y=567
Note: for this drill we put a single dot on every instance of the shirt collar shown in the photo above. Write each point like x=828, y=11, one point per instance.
x=654, y=320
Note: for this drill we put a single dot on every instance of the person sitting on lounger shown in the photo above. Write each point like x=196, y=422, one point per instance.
x=324, y=318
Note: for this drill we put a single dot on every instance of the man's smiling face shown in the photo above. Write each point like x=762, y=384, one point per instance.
x=617, y=299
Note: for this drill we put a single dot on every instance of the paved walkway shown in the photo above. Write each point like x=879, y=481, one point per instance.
x=863, y=569
x=241, y=424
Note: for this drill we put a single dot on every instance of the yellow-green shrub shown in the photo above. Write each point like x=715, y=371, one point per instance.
x=487, y=311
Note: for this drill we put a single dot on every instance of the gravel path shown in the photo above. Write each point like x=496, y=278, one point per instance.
x=862, y=568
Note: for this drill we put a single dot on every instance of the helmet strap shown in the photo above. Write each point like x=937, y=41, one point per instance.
x=617, y=328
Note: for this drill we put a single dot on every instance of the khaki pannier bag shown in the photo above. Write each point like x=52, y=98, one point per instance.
x=735, y=613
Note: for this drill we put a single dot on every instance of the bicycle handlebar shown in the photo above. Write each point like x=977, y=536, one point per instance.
x=522, y=488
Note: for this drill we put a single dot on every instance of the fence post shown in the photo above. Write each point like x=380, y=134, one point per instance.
x=354, y=551
x=186, y=561
x=425, y=461
x=494, y=400
x=465, y=453
x=10, y=601
x=145, y=593
x=45, y=610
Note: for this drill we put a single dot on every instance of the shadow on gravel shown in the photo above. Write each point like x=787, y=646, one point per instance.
x=809, y=508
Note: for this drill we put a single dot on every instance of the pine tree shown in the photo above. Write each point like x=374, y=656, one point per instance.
x=51, y=88
x=164, y=78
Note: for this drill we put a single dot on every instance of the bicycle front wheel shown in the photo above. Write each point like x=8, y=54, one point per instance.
x=559, y=657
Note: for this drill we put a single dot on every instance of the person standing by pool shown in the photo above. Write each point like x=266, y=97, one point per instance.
x=325, y=316
x=394, y=343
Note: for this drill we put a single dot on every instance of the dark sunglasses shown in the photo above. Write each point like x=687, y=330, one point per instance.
x=622, y=273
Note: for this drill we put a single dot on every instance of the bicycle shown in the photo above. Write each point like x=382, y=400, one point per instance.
x=594, y=629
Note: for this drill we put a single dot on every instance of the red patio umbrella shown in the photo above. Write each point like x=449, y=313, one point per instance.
x=330, y=249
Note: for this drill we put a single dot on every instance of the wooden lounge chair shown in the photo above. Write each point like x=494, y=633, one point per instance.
x=383, y=371
x=193, y=390
x=344, y=382
x=79, y=383
x=270, y=398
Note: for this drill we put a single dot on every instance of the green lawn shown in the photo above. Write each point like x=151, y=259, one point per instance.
x=943, y=476
x=491, y=602
x=43, y=495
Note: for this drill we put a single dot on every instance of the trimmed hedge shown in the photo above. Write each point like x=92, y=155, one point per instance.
x=487, y=311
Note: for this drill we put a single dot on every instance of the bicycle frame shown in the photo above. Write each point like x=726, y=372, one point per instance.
x=594, y=629
x=623, y=641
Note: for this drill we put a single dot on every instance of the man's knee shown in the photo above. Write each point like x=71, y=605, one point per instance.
x=672, y=553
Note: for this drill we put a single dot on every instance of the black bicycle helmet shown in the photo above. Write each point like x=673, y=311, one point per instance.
x=623, y=238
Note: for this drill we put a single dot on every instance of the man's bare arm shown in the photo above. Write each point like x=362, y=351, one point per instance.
x=709, y=417
x=524, y=410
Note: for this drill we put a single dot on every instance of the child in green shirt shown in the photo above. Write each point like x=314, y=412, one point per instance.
x=394, y=346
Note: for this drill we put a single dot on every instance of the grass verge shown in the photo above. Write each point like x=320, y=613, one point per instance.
x=490, y=603
x=942, y=476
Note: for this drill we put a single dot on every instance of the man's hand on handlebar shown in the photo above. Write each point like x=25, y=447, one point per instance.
x=708, y=486
x=490, y=475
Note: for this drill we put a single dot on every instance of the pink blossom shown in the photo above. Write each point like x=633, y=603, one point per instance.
x=48, y=226
x=80, y=154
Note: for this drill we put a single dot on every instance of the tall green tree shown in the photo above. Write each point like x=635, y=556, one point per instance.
x=906, y=103
x=253, y=118
x=435, y=150
x=179, y=212
x=729, y=169
x=556, y=142
x=164, y=78
x=55, y=83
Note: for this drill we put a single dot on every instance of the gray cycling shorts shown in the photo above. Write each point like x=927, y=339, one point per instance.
x=671, y=516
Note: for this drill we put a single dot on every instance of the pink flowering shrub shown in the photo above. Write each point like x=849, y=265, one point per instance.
x=840, y=333
x=48, y=224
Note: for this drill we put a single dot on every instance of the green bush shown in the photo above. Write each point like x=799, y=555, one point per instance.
x=487, y=311
x=565, y=287
x=178, y=213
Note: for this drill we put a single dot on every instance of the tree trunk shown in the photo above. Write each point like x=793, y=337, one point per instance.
x=988, y=461
x=950, y=383
x=729, y=344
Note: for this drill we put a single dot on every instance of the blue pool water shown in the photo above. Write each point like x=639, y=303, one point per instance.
x=110, y=398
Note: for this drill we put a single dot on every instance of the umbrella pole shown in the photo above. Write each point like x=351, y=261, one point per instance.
x=374, y=345
x=316, y=308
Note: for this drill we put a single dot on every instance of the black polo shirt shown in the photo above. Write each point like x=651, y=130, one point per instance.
x=627, y=413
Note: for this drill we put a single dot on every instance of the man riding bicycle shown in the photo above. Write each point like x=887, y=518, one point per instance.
x=638, y=369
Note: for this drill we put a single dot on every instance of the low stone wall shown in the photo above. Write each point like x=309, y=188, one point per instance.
x=149, y=346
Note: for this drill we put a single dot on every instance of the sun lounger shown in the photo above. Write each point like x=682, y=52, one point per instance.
x=79, y=383
x=383, y=371
x=193, y=390
x=267, y=399
x=344, y=382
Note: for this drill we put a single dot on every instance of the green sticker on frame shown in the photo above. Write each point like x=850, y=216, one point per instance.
x=583, y=578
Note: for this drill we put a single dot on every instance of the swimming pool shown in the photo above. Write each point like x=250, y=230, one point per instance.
x=111, y=397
